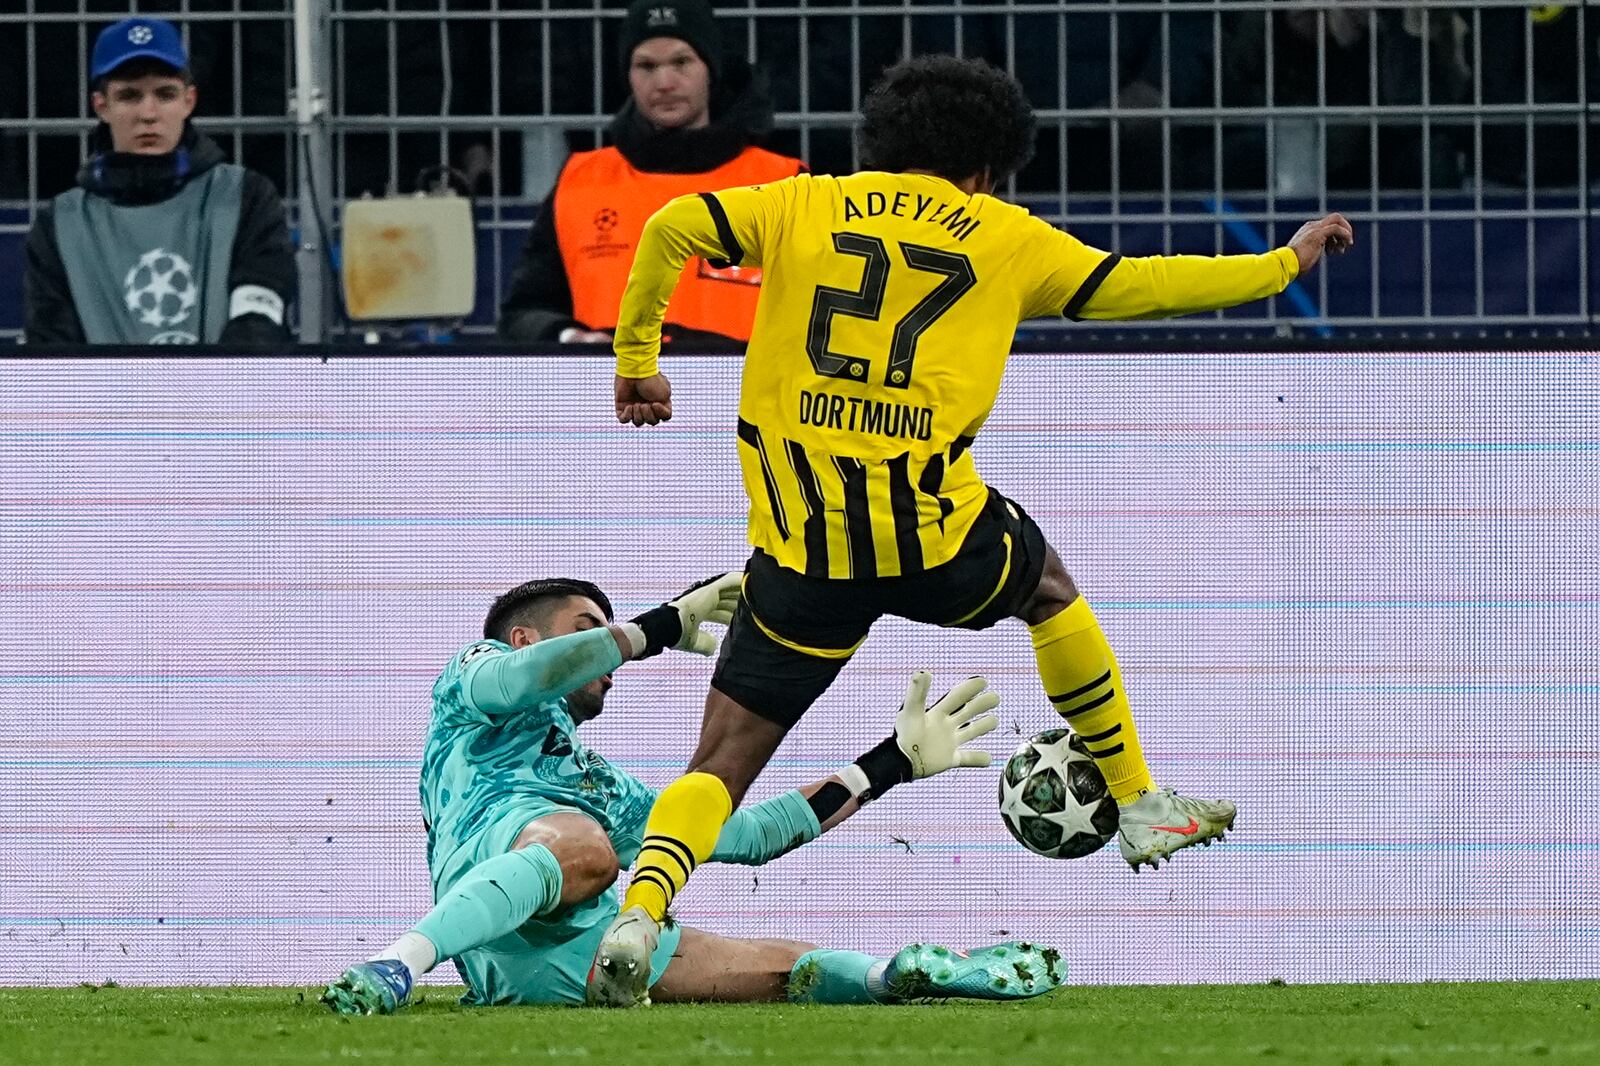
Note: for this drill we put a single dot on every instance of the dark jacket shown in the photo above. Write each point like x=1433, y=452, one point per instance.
x=538, y=302
x=261, y=251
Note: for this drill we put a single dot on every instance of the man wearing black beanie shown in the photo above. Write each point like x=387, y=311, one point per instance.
x=690, y=124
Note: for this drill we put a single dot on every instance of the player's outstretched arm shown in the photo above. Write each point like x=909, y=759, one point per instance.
x=926, y=741
x=497, y=681
x=1162, y=286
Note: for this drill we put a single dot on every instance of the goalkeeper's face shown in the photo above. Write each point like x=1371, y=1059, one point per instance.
x=574, y=614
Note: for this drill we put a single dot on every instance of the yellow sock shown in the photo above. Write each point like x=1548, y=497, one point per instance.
x=681, y=832
x=1080, y=674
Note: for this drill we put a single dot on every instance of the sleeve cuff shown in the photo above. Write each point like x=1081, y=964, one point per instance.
x=637, y=366
x=1290, y=261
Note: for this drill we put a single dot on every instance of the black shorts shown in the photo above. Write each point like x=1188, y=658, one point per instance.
x=792, y=634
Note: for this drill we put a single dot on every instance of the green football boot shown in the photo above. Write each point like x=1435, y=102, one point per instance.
x=1012, y=970
x=381, y=986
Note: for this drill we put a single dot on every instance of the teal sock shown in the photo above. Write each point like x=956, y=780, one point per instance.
x=838, y=977
x=494, y=897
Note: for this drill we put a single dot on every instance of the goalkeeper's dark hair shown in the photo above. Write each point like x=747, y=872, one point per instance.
x=531, y=604
x=954, y=117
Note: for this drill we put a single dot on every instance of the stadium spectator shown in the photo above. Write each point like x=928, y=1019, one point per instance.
x=162, y=242
x=690, y=125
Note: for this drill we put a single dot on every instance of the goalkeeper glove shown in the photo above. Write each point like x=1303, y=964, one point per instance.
x=927, y=740
x=676, y=623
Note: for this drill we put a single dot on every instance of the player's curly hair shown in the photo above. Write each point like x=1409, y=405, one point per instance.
x=954, y=117
x=530, y=602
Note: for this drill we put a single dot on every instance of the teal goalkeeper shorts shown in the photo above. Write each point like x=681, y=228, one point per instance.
x=547, y=959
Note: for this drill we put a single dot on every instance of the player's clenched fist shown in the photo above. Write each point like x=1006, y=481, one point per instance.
x=1332, y=234
x=643, y=401
x=935, y=738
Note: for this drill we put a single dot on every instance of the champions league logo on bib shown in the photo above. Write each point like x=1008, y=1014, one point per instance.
x=160, y=292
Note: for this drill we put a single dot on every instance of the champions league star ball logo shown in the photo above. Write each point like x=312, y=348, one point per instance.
x=141, y=35
x=159, y=291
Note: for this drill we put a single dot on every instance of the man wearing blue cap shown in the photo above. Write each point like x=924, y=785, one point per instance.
x=161, y=242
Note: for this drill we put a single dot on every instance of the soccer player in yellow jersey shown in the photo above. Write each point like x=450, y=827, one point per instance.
x=888, y=306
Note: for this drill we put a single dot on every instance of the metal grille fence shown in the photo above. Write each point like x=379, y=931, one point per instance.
x=1455, y=135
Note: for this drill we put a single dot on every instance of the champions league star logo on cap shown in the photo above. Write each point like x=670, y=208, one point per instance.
x=137, y=38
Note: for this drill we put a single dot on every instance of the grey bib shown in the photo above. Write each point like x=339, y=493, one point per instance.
x=152, y=273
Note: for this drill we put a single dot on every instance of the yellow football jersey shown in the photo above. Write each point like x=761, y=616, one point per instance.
x=887, y=311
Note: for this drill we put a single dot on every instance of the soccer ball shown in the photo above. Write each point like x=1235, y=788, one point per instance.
x=1054, y=798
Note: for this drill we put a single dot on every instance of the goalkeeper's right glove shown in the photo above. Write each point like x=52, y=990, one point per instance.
x=676, y=623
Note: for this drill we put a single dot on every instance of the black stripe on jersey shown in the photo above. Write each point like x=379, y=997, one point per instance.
x=1087, y=289
x=816, y=527
x=961, y=444
x=931, y=481
x=730, y=243
x=903, y=502
x=857, y=517
x=751, y=435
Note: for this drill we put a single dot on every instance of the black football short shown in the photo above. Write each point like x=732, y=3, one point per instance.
x=792, y=634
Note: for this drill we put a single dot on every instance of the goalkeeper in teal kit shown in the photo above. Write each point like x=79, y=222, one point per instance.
x=527, y=828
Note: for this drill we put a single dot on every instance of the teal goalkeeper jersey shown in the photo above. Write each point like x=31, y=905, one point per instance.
x=501, y=740
x=502, y=745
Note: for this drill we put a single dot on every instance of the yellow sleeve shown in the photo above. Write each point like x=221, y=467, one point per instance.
x=730, y=227
x=1078, y=281
x=1160, y=286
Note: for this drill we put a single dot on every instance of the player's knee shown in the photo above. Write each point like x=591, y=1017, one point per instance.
x=1054, y=593
x=588, y=861
x=588, y=871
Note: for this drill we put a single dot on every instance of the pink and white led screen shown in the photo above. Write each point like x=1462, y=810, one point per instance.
x=1357, y=593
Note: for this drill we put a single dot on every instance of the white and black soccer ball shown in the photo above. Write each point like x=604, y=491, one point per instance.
x=160, y=289
x=1054, y=799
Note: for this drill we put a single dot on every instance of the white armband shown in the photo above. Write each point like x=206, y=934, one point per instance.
x=256, y=300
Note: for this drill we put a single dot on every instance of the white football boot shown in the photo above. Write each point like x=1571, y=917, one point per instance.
x=1161, y=822
x=620, y=976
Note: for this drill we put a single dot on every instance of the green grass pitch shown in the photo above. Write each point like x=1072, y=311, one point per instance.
x=1358, y=1025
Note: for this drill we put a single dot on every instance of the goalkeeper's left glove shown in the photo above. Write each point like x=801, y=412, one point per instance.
x=676, y=623
x=933, y=739
x=927, y=740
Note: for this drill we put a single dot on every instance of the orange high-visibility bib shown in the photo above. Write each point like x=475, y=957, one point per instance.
x=602, y=204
